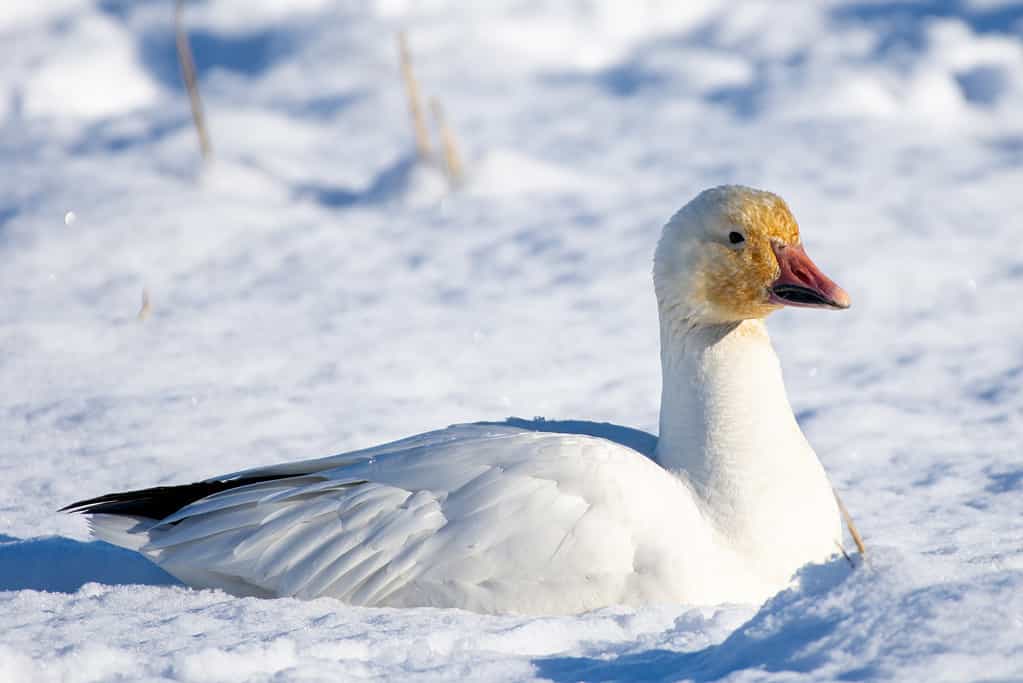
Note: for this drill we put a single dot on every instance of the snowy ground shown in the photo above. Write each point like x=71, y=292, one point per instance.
x=315, y=291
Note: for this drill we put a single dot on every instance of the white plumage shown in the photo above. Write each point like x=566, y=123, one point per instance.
x=548, y=518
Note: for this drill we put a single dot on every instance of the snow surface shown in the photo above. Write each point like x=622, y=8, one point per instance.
x=315, y=290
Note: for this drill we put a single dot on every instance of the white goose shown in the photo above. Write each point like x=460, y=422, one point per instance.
x=551, y=518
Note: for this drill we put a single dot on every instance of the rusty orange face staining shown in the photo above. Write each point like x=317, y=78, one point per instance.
x=735, y=281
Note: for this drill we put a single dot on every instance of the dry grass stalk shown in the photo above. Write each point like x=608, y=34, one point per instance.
x=146, y=306
x=845, y=554
x=188, y=74
x=452, y=160
x=853, y=531
x=415, y=108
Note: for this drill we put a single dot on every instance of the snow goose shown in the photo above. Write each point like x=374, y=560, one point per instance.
x=551, y=518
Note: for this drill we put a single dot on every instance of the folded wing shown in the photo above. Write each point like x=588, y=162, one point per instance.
x=478, y=516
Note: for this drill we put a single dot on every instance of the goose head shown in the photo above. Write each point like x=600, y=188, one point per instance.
x=734, y=253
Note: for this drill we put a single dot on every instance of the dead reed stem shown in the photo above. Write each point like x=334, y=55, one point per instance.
x=848, y=559
x=853, y=531
x=188, y=74
x=452, y=160
x=146, y=308
x=415, y=108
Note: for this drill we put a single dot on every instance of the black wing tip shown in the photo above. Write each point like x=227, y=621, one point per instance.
x=76, y=507
x=111, y=502
x=86, y=506
x=157, y=502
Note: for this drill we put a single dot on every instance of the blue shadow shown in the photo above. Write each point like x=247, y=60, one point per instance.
x=780, y=650
x=247, y=54
x=104, y=136
x=62, y=565
x=389, y=183
x=901, y=27
x=907, y=20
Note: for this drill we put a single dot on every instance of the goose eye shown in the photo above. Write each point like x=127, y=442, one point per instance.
x=736, y=238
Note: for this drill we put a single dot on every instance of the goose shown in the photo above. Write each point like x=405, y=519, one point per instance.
x=543, y=518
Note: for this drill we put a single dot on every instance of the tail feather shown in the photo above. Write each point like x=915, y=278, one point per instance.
x=127, y=532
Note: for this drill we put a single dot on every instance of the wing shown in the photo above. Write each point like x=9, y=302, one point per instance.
x=478, y=516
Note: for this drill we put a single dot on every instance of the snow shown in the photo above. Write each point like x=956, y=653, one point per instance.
x=315, y=290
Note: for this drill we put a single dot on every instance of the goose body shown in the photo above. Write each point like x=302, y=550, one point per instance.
x=551, y=518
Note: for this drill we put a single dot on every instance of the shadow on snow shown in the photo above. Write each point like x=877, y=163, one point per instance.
x=63, y=565
x=777, y=639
